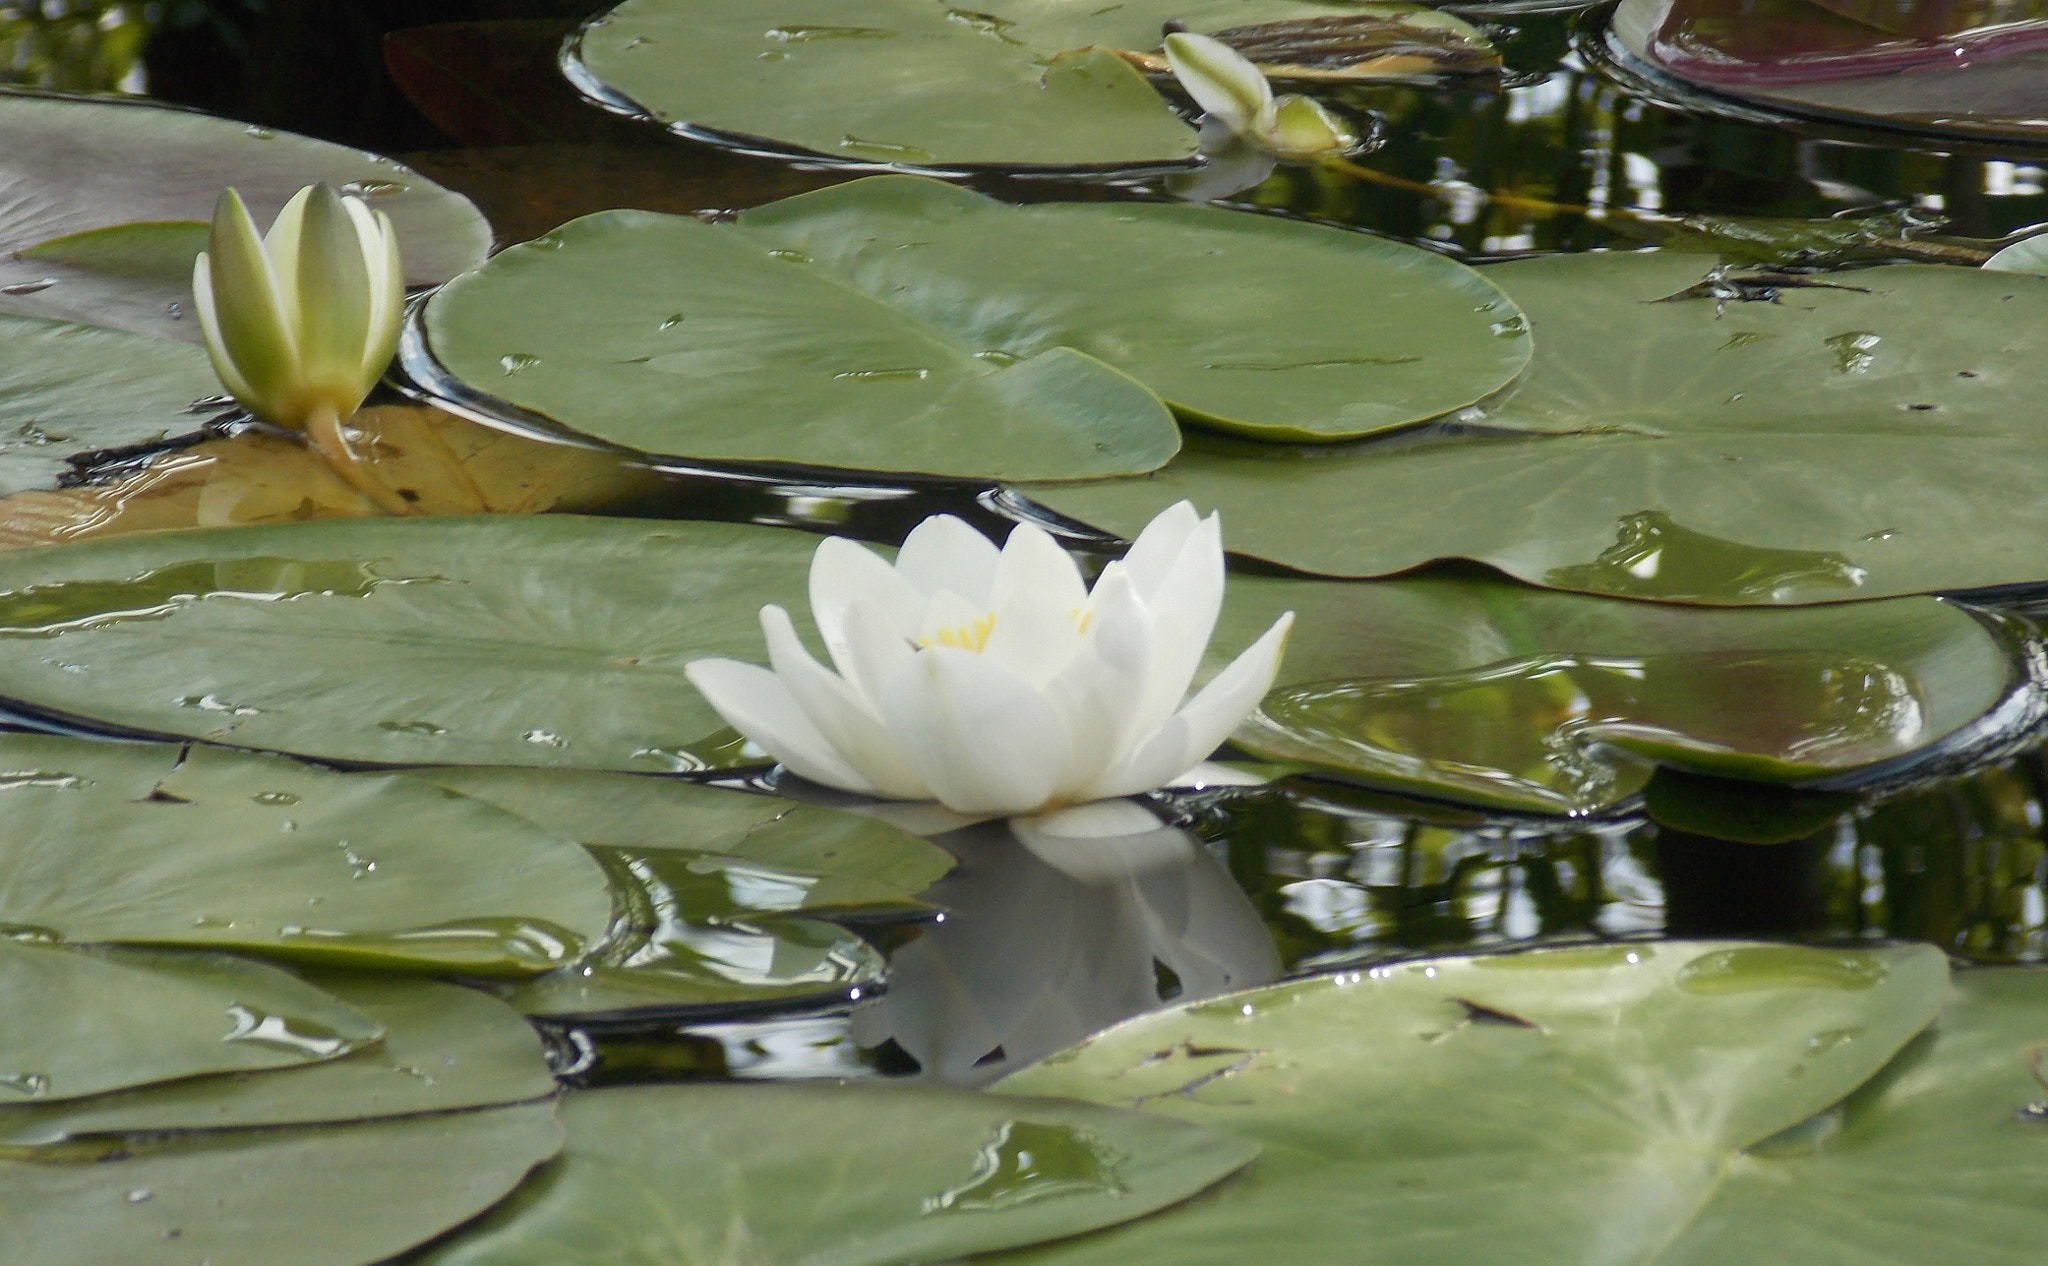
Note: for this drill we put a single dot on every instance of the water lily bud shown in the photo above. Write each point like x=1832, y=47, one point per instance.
x=302, y=322
x=1303, y=129
x=1234, y=92
x=998, y=682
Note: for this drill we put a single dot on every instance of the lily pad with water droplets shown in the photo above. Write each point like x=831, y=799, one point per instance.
x=640, y=813
x=494, y=640
x=1560, y=1105
x=221, y=849
x=76, y=166
x=85, y=1022
x=444, y=1048
x=1871, y=435
x=1492, y=693
x=342, y=1195
x=846, y=1175
x=878, y=326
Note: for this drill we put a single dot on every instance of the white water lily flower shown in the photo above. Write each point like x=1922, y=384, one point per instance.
x=300, y=323
x=1233, y=91
x=998, y=682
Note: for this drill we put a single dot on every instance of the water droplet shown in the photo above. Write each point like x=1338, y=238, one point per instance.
x=14, y=781
x=374, y=188
x=789, y=256
x=274, y=797
x=425, y=729
x=30, y=1084
x=546, y=242
x=517, y=362
x=359, y=867
x=1513, y=327
x=545, y=738
x=1744, y=338
x=176, y=311
x=806, y=34
x=1882, y=534
x=1755, y=968
x=888, y=150
x=639, y=41
x=884, y=375
x=1335, y=362
x=1028, y=1161
x=997, y=356
x=1832, y=1039
x=260, y=133
x=285, y=1032
x=28, y=287
x=672, y=322
x=1855, y=351
x=140, y=1194
x=214, y=703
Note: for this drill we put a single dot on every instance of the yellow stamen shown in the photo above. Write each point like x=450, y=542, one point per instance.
x=1080, y=616
x=963, y=637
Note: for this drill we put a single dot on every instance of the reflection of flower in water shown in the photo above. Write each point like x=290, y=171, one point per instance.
x=1047, y=943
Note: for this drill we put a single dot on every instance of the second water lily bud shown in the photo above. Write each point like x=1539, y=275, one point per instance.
x=301, y=322
x=1230, y=89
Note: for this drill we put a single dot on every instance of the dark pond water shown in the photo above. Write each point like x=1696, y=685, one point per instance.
x=1302, y=875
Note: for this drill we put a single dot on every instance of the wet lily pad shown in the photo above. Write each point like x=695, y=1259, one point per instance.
x=68, y=389
x=639, y=813
x=346, y=1195
x=495, y=640
x=886, y=1175
x=88, y=1022
x=224, y=849
x=444, y=1047
x=72, y=166
x=1023, y=83
x=1493, y=693
x=1837, y=444
x=902, y=324
x=1568, y=1105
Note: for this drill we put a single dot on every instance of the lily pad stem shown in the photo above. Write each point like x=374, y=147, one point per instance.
x=325, y=433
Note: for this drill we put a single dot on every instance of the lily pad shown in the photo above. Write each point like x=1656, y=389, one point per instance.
x=1491, y=693
x=444, y=1048
x=140, y=843
x=1025, y=83
x=887, y=1175
x=640, y=813
x=494, y=640
x=75, y=165
x=1568, y=1105
x=346, y=1195
x=84, y=1023
x=840, y=328
x=68, y=389
x=1837, y=444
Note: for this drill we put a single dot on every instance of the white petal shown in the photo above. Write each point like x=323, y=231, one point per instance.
x=209, y=330
x=1097, y=695
x=756, y=703
x=1033, y=568
x=944, y=554
x=842, y=717
x=1213, y=774
x=1198, y=729
x=1222, y=81
x=281, y=244
x=1184, y=608
x=844, y=572
x=871, y=646
x=981, y=739
x=387, y=288
x=1033, y=640
x=1152, y=555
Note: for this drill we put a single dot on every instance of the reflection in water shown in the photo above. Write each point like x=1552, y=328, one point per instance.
x=1049, y=938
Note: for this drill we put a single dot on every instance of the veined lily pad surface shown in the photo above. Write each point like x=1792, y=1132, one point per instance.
x=1024, y=83
x=87, y=1022
x=221, y=849
x=507, y=640
x=443, y=1048
x=340, y=1195
x=67, y=389
x=1873, y=435
x=900, y=324
x=73, y=166
x=1493, y=693
x=1570, y=1105
x=845, y=1175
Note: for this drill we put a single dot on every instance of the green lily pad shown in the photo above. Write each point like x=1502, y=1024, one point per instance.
x=733, y=342
x=75, y=165
x=221, y=849
x=845, y=1175
x=1492, y=693
x=84, y=1023
x=700, y=932
x=1567, y=1105
x=349, y=1195
x=1024, y=84
x=445, y=1047
x=2028, y=255
x=496, y=640
x=640, y=813
x=68, y=389
x=1835, y=445
x=705, y=342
